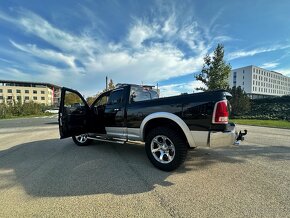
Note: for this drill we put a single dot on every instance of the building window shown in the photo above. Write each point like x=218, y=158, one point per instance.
x=9, y=91
x=26, y=91
x=18, y=91
x=1, y=97
x=1, y=90
x=42, y=98
x=42, y=92
x=9, y=97
x=26, y=98
x=18, y=98
x=235, y=78
x=34, y=97
x=34, y=91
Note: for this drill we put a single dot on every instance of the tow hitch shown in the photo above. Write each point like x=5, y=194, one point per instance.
x=240, y=137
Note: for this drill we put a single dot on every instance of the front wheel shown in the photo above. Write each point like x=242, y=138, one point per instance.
x=165, y=148
x=81, y=140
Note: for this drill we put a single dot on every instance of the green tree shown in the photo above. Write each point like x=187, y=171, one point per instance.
x=90, y=100
x=240, y=102
x=111, y=85
x=215, y=71
x=71, y=98
x=17, y=106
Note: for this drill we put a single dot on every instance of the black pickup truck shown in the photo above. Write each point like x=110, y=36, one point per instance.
x=168, y=126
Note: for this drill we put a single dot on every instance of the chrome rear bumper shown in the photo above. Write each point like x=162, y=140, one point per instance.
x=226, y=138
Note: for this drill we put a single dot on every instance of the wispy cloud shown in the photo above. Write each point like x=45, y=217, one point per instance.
x=284, y=71
x=13, y=73
x=36, y=25
x=154, y=61
x=269, y=65
x=46, y=54
x=6, y=61
x=244, y=53
x=149, y=52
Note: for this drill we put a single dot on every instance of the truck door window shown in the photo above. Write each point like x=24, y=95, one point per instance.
x=101, y=101
x=73, y=103
x=116, y=97
x=100, y=104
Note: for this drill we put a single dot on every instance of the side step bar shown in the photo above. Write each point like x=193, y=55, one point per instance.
x=107, y=140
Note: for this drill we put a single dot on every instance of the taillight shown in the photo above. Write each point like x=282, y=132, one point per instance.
x=220, y=113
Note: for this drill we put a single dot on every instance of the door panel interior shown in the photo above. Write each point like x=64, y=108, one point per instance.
x=73, y=114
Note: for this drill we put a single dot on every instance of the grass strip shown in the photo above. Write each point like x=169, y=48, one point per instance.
x=268, y=123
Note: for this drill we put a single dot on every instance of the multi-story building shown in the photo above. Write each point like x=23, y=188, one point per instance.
x=44, y=93
x=259, y=83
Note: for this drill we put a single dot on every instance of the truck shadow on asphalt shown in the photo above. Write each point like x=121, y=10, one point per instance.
x=53, y=168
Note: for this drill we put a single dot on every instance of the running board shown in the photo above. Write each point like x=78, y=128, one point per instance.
x=107, y=140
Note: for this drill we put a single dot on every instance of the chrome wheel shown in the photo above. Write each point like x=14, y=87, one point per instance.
x=163, y=149
x=82, y=138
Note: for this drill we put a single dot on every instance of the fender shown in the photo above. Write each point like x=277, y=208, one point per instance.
x=172, y=117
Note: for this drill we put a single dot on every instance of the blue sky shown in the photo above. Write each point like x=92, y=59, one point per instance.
x=77, y=43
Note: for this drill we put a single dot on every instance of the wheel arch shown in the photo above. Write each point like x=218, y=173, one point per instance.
x=165, y=119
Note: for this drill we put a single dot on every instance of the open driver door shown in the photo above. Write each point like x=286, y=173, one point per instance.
x=74, y=114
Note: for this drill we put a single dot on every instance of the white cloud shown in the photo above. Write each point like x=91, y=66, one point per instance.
x=243, y=53
x=177, y=89
x=36, y=25
x=191, y=35
x=15, y=74
x=6, y=61
x=128, y=60
x=46, y=54
x=169, y=26
x=284, y=71
x=222, y=38
x=139, y=33
x=269, y=65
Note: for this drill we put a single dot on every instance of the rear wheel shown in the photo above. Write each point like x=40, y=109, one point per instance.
x=165, y=148
x=81, y=140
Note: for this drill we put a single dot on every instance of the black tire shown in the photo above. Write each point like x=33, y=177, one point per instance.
x=176, y=158
x=83, y=142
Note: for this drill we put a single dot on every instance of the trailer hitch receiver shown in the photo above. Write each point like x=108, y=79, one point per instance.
x=240, y=136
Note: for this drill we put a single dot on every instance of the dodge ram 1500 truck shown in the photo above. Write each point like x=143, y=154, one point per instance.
x=168, y=126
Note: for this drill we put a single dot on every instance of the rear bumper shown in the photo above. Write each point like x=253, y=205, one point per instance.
x=223, y=139
x=218, y=138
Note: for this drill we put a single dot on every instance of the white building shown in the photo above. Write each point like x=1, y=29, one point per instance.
x=259, y=83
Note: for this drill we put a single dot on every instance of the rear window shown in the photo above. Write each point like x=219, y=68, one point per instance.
x=138, y=93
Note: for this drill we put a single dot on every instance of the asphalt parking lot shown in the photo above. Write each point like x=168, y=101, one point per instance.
x=41, y=175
